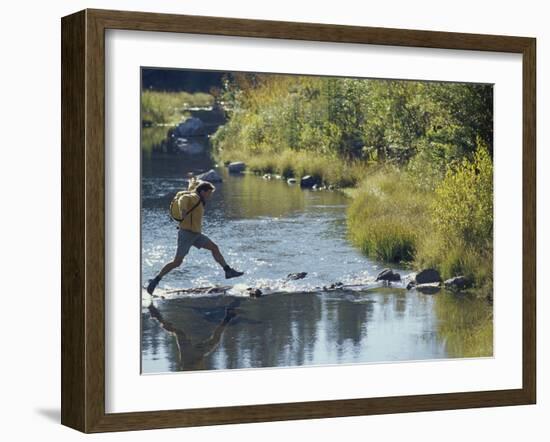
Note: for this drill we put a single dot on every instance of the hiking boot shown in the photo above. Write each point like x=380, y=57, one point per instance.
x=232, y=273
x=152, y=284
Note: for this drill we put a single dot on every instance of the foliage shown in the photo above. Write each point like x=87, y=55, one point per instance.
x=170, y=107
x=462, y=218
x=420, y=154
x=427, y=124
x=463, y=206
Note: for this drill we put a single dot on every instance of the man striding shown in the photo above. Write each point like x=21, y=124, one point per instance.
x=189, y=234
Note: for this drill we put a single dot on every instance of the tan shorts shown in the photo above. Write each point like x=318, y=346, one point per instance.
x=186, y=239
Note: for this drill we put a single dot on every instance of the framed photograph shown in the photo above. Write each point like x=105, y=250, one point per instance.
x=267, y=221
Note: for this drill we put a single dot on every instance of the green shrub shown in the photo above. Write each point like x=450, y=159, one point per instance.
x=463, y=205
x=461, y=241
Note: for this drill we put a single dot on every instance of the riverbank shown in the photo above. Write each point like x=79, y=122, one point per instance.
x=418, y=157
x=161, y=108
x=393, y=219
x=288, y=163
x=449, y=228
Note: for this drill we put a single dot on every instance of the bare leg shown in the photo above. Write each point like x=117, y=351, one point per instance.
x=216, y=254
x=170, y=266
x=229, y=272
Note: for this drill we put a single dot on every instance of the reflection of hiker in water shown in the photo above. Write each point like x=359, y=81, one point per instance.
x=193, y=355
x=188, y=208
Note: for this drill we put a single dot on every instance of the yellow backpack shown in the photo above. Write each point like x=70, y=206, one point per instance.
x=177, y=205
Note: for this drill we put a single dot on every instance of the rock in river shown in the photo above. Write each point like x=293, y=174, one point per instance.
x=189, y=147
x=308, y=181
x=211, y=176
x=236, y=167
x=388, y=275
x=296, y=276
x=457, y=283
x=191, y=127
x=427, y=276
x=254, y=292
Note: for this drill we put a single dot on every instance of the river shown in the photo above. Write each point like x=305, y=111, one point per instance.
x=268, y=229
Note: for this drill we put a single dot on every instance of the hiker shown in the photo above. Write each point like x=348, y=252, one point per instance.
x=190, y=204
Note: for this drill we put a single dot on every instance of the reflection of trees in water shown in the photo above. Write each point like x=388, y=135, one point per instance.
x=466, y=324
x=152, y=138
x=282, y=330
x=272, y=198
x=299, y=329
x=274, y=331
x=152, y=344
x=304, y=312
x=396, y=302
x=155, y=342
x=250, y=197
x=303, y=328
x=346, y=323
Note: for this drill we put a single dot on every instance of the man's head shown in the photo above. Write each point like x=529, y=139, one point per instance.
x=205, y=190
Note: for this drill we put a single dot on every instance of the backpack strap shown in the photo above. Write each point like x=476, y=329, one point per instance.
x=178, y=219
x=192, y=208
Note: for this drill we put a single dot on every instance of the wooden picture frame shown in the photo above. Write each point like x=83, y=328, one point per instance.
x=83, y=220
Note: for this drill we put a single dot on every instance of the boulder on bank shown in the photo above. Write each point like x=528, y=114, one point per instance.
x=192, y=127
x=427, y=276
x=458, y=283
x=211, y=176
x=308, y=181
x=388, y=275
x=236, y=167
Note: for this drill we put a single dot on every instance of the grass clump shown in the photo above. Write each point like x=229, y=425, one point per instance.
x=327, y=169
x=158, y=107
x=387, y=216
